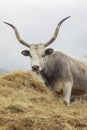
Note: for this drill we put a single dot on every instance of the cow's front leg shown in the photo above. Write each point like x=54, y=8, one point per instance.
x=67, y=92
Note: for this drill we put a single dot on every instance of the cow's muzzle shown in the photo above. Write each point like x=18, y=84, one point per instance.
x=36, y=69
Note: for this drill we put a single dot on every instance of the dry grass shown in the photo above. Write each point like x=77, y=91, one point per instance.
x=27, y=104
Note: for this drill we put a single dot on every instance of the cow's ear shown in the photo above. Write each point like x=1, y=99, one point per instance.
x=25, y=52
x=48, y=51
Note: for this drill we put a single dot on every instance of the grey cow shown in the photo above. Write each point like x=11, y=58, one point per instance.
x=59, y=71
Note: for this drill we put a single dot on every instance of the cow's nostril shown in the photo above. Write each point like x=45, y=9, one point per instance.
x=35, y=67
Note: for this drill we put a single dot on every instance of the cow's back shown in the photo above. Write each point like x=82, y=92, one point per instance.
x=84, y=60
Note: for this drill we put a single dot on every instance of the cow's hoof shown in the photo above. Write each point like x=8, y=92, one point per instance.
x=72, y=99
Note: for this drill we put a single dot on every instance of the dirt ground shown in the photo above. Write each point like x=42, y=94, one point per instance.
x=27, y=104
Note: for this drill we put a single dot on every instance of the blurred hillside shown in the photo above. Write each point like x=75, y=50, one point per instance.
x=3, y=71
x=27, y=104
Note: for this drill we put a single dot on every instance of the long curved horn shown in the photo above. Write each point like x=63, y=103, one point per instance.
x=56, y=32
x=17, y=35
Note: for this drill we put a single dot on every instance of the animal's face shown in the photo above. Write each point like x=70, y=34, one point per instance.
x=37, y=55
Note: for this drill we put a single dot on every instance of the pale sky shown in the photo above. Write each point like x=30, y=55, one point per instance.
x=36, y=21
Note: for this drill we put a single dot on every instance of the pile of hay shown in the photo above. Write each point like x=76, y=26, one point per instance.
x=27, y=104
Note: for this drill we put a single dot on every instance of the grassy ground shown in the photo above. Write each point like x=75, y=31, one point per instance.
x=27, y=104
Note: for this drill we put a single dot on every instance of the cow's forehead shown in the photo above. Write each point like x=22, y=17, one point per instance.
x=39, y=48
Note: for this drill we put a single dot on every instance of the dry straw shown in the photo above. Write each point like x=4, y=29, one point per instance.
x=27, y=104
